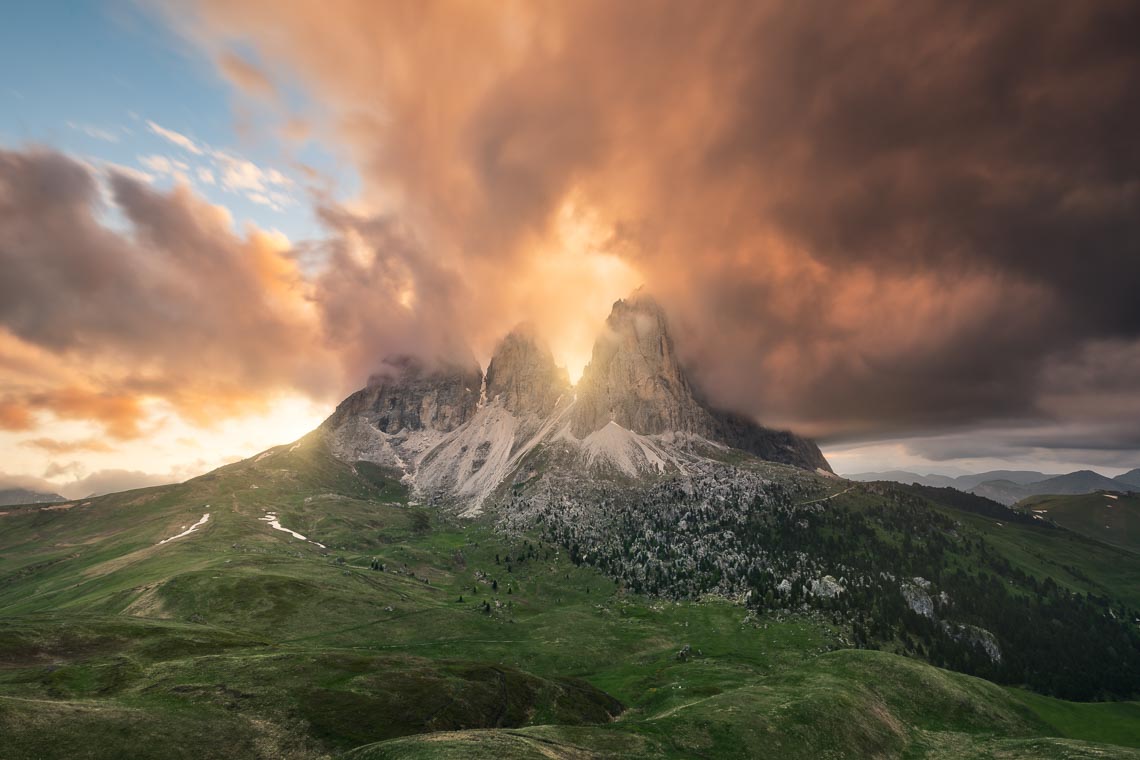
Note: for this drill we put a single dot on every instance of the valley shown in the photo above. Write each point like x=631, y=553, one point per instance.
x=415, y=634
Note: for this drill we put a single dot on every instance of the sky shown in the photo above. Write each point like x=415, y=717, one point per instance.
x=910, y=231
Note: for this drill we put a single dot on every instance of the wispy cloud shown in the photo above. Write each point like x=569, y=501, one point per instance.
x=54, y=446
x=233, y=173
x=177, y=138
x=96, y=133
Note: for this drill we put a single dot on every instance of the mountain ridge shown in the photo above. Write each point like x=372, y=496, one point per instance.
x=10, y=497
x=1011, y=486
x=460, y=435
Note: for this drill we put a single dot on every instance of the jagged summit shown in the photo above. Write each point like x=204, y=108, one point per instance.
x=634, y=377
x=523, y=375
x=458, y=435
x=409, y=394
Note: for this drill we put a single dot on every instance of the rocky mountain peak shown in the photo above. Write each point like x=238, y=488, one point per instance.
x=523, y=375
x=408, y=393
x=634, y=412
x=634, y=377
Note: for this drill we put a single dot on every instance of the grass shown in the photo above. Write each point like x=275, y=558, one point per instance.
x=1113, y=519
x=242, y=641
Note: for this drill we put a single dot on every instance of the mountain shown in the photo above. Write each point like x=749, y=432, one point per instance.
x=458, y=437
x=1079, y=482
x=1002, y=491
x=1011, y=486
x=1130, y=478
x=522, y=375
x=13, y=496
x=903, y=476
x=1020, y=477
x=961, y=482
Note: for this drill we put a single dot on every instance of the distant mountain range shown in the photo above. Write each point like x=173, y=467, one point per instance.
x=1011, y=486
x=12, y=496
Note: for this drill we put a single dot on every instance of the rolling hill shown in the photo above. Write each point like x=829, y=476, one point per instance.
x=1113, y=518
x=1011, y=486
x=391, y=630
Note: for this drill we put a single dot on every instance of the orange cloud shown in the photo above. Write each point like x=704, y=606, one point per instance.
x=861, y=216
x=246, y=75
x=119, y=414
x=15, y=416
x=864, y=218
x=55, y=447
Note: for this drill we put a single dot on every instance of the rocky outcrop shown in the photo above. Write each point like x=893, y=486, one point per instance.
x=408, y=395
x=826, y=587
x=636, y=380
x=634, y=377
x=740, y=432
x=523, y=376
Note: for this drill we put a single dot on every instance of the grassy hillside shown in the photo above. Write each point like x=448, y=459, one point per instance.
x=1110, y=517
x=412, y=635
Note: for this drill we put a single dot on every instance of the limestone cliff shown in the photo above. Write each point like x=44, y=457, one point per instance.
x=409, y=395
x=523, y=376
x=635, y=379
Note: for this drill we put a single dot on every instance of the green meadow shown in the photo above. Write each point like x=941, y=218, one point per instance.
x=414, y=635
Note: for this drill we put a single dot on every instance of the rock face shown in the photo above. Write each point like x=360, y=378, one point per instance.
x=635, y=380
x=459, y=437
x=407, y=395
x=523, y=375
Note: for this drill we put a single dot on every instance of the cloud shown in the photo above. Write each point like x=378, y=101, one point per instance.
x=173, y=168
x=172, y=311
x=245, y=75
x=867, y=220
x=15, y=416
x=177, y=308
x=882, y=221
x=82, y=486
x=31, y=483
x=111, y=167
x=56, y=447
x=119, y=413
x=96, y=133
x=112, y=481
x=181, y=140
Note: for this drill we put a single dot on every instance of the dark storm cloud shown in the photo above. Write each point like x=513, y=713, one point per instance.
x=867, y=218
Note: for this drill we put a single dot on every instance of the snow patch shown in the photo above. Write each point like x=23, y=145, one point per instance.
x=271, y=518
x=188, y=531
